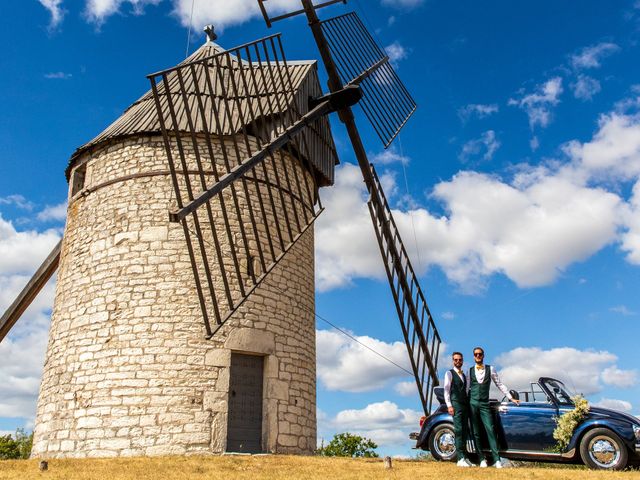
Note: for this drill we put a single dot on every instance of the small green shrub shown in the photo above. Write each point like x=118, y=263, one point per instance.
x=348, y=445
x=18, y=446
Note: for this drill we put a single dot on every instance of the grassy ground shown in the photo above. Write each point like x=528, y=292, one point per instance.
x=276, y=467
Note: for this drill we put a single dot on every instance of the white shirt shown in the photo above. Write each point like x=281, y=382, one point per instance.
x=496, y=380
x=448, y=381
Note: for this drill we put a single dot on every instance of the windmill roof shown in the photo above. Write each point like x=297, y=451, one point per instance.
x=232, y=113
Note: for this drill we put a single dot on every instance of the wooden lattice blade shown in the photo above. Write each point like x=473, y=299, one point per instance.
x=360, y=60
x=245, y=170
x=419, y=330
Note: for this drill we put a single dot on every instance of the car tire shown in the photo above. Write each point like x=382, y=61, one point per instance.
x=603, y=449
x=442, y=443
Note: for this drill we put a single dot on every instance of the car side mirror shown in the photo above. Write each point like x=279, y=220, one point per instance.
x=515, y=395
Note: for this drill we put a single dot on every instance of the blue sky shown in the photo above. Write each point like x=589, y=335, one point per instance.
x=516, y=185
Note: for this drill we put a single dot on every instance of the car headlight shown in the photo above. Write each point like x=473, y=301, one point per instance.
x=636, y=431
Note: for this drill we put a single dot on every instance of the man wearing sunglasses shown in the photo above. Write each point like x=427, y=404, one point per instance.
x=456, y=387
x=480, y=378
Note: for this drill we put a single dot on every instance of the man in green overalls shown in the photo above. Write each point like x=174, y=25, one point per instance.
x=456, y=386
x=480, y=377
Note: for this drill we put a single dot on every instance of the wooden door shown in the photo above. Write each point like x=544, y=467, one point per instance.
x=244, y=431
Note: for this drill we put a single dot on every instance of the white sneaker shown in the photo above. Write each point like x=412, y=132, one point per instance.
x=483, y=464
x=470, y=463
x=462, y=463
x=498, y=464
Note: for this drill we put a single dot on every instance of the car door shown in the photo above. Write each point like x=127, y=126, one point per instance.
x=528, y=426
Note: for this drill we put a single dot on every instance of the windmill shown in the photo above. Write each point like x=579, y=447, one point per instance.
x=238, y=143
x=358, y=71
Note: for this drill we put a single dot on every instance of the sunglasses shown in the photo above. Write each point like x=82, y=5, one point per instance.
x=479, y=354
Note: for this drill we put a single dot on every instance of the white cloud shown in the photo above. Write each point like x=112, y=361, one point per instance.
x=529, y=232
x=53, y=213
x=538, y=104
x=406, y=389
x=585, y=371
x=631, y=237
x=18, y=201
x=530, y=227
x=619, y=378
x=396, y=52
x=590, y=57
x=477, y=110
x=348, y=366
x=585, y=87
x=402, y=4
x=345, y=241
x=613, y=404
x=448, y=315
x=57, y=76
x=21, y=252
x=486, y=143
x=623, y=310
x=389, y=156
x=613, y=152
x=383, y=422
x=97, y=11
x=225, y=13
x=376, y=415
x=56, y=11
x=24, y=351
x=534, y=143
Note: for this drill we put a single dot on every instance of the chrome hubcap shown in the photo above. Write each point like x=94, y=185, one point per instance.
x=604, y=451
x=446, y=443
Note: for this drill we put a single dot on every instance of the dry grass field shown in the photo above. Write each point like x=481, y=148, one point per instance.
x=275, y=467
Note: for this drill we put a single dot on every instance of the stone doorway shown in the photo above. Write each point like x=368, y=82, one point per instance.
x=244, y=430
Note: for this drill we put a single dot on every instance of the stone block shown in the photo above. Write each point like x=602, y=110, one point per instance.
x=277, y=389
x=219, y=432
x=214, y=401
x=115, y=443
x=142, y=312
x=125, y=237
x=288, y=440
x=251, y=340
x=217, y=357
x=89, y=422
x=152, y=234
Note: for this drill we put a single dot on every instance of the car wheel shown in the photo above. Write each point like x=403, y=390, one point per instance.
x=602, y=449
x=442, y=443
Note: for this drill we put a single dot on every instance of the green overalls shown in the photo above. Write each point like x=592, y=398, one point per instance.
x=481, y=412
x=460, y=404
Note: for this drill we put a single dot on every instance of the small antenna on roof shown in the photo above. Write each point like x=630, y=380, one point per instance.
x=211, y=34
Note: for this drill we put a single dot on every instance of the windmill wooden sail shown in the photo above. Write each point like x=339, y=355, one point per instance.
x=350, y=55
x=244, y=111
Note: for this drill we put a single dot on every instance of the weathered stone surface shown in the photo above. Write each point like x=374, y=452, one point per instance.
x=251, y=340
x=218, y=358
x=128, y=369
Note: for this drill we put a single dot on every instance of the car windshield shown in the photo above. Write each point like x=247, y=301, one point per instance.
x=559, y=392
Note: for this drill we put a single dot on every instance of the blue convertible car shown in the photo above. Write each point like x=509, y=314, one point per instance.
x=605, y=439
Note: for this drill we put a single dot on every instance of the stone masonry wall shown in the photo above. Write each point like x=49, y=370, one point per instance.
x=128, y=370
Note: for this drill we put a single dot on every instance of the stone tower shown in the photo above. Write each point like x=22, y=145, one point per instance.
x=128, y=369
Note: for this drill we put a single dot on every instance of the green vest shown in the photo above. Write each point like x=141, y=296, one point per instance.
x=479, y=392
x=458, y=389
